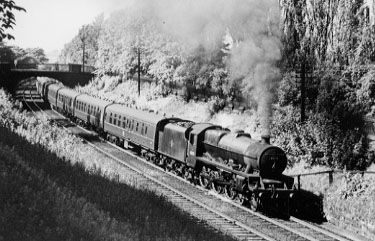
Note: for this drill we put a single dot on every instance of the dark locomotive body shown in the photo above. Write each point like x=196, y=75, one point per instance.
x=229, y=162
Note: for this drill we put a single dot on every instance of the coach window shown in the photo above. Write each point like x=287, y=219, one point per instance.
x=136, y=128
x=146, y=130
x=143, y=127
x=110, y=118
x=119, y=121
x=123, y=122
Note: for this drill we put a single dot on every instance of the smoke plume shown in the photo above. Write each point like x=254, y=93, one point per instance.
x=252, y=26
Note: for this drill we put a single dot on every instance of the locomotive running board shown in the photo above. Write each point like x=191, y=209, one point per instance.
x=225, y=168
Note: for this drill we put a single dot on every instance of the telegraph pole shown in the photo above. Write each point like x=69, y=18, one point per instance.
x=139, y=71
x=303, y=90
x=83, y=55
x=82, y=35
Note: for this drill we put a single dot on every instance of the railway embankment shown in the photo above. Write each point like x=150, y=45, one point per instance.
x=350, y=198
x=52, y=182
x=340, y=208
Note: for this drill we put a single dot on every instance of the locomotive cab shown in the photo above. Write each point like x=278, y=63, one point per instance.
x=195, y=136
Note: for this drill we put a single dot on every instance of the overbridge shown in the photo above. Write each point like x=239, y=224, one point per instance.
x=69, y=74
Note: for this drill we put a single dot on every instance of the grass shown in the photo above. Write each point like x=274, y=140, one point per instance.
x=33, y=207
x=348, y=202
x=76, y=196
x=336, y=202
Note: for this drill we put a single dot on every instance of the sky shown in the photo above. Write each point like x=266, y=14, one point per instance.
x=49, y=24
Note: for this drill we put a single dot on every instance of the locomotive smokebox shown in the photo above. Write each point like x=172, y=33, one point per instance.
x=266, y=139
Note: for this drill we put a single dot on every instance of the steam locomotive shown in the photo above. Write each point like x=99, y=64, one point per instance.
x=228, y=162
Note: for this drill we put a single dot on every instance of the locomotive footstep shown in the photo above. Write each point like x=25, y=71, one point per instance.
x=230, y=192
x=219, y=189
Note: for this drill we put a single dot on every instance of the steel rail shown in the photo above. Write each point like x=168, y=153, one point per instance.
x=313, y=227
x=231, y=226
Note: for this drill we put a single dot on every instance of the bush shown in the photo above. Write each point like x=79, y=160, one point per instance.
x=35, y=208
x=93, y=206
x=288, y=92
x=366, y=91
x=351, y=202
x=304, y=141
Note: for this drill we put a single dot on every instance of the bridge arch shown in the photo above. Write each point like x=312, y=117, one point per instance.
x=70, y=75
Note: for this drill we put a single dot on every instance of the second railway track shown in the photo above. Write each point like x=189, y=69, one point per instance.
x=226, y=216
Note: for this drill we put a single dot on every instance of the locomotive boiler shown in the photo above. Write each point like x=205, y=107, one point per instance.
x=228, y=162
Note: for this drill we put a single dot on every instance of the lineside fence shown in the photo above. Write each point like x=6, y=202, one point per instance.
x=330, y=174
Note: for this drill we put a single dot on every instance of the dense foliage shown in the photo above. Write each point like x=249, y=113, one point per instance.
x=257, y=63
x=88, y=38
x=54, y=189
x=7, y=19
x=350, y=203
x=333, y=32
x=9, y=54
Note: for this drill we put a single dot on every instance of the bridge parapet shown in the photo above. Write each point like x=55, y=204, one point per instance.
x=69, y=74
x=76, y=68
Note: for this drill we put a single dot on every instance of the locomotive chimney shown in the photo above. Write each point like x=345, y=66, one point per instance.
x=266, y=139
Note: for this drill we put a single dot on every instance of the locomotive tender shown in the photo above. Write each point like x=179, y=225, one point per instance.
x=233, y=163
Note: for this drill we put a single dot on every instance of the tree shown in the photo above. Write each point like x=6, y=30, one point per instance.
x=88, y=36
x=6, y=53
x=7, y=19
x=37, y=53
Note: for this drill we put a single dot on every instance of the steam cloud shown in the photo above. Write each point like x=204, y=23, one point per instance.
x=251, y=24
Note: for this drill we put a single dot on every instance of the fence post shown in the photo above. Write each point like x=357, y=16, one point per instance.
x=299, y=182
x=330, y=177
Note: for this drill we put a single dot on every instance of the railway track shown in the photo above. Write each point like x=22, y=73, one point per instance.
x=233, y=219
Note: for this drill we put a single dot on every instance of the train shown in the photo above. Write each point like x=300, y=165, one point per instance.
x=231, y=163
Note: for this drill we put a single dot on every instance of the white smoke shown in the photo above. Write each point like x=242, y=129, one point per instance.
x=250, y=27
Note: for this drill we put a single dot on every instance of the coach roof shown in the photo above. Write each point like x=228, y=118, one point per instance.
x=68, y=92
x=92, y=100
x=142, y=115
